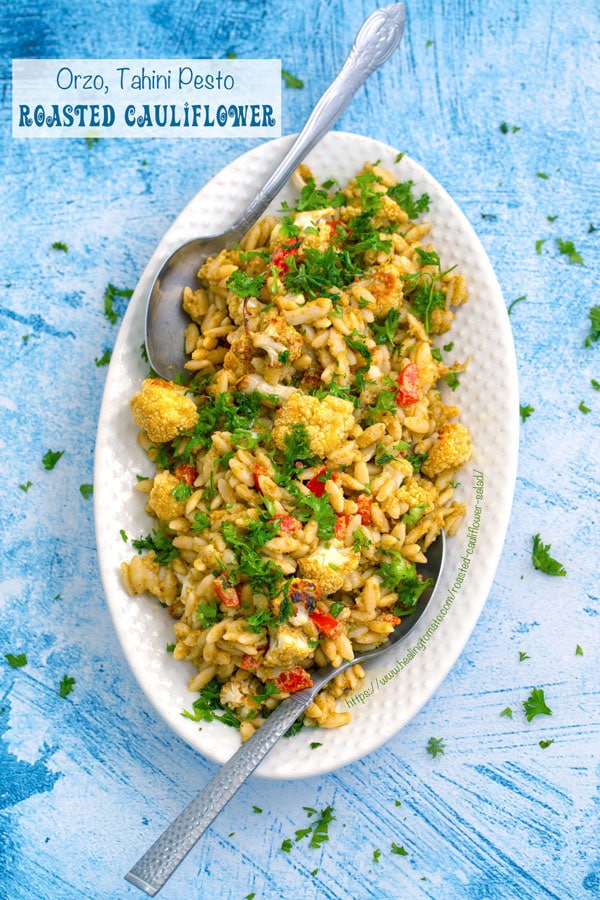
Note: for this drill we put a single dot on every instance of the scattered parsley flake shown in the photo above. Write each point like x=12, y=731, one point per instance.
x=399, y=849
x=110, y=294
x=595, y=384
x=546, y=743
x=542, y=175
x=315, y=872
x=207, y=613
x=505, y=128
x=66, y=686
x=60, y=245
x=86, y=490
x=539, y=244
x=452, y=380
x=16, y=660
x=592, y=228
x=50, y=458
x=514, y=303
x=551, y=218
x=594, y=335
x=25, y=487
x=290, y=80
x=90, y=141
x=103, y=360
x=567, y=248
x=315, y=744
x=208, y=707
x=525, y=411
x=523, y=656
x=535, y=705
x=583, y=408
x=435, y=746
x=161, y=543
x=399, y=157
x=542, y=560
x=286, y=845
x=578, y=651
x=169, y=648
x=256, y=809
x=376, y=855
x=123, y=534
x=507, y=712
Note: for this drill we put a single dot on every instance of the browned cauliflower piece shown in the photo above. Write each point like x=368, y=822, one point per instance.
x=161, y=499
x=386, y=287
x=414, y=493
x=282, y=343
x=288, y=647
x=328, y=421
x=239, y=358
x=162, y=410
x=451, y=450
x=329, y=566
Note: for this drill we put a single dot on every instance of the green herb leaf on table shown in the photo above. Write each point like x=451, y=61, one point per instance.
x=525, y=411
x=435, y=746
x=594, y=333
x=542, y=560
x=291, y=81
x=50, y=458
x=110, y=295
x=16, y=661
x=86, y=490
x=567, y=248
x=66, y=686
x=535, y=705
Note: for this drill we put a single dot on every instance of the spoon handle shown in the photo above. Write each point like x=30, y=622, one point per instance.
x=377, y=39
x=159, y=862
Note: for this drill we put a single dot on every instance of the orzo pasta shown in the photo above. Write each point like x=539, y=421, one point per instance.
x=305, y=468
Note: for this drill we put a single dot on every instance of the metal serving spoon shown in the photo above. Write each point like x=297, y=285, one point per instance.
x=159, y=862
x=165, y=317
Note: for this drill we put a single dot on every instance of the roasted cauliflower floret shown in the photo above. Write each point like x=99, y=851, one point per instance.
x=386, y=289
x=415, y=494
x=162, y=410
x=282, y=343
x=328, y=421
x=329, y=566
x=239, y=693
x=451, y=450
x=239, y=358
x=288, y=647
x=161, y=500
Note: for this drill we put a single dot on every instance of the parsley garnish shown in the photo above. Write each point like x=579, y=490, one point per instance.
x=290, y=80
x=182, y=491
x=160, y=543
x=567, y=248
x=207, y=613
x=264, y=575
x=50, y=458
x=110, y=294
x=317, y=508
x=542, y=560
x=435, y=746
x=60, y=245
x=525, y=411
x=206, y=706
x=16, y=660
x=402, y=194
x=360, y=542
x=535, y=705
x=583, y=408
x=103, y=360
x=386, y=332
x=287, y=845
x=594, y=335
x=399, y=849
x=578, y=651
x=546, y=743
x=66, y=686
x=507, y=711
x=514, y=303
x=86, y=490
x=244, y=285
x=25, y=487
x=402, y=577
x=523, y=656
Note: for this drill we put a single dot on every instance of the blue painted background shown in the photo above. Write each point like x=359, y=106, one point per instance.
x=88, y=781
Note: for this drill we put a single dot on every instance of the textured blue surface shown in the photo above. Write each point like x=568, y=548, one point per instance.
x=88, y=781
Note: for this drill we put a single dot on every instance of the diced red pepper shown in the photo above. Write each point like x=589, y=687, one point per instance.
x=293, y=680
x=226, y=592
x=186, y=473
x=303, y=591
x=325, y=622
x=250, y=661
x=408, y=385
x=364, y=503
x=390, y=617
x=288, y=524
x=316, y=485
x=280, y=255
x=341, y=526
x=257, y=472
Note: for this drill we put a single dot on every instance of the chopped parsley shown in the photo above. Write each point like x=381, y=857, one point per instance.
x=159, y=542
x=386, y=331
x=208, y=707
x=594, y=334
x=315, y=744
x=402, y=577
x=402, y=194
x=207, y=613
x=287, y=845
x=535, y=705
x=16, y=661
x=523, y=656
x=399, y=849
x=317, y=508
x=245, y=285
x=514, y=303
x=435, y=746
x=376, y=855
x=60, y=245
x=86, y=490
x=583, y=408
x=25, y=487
x=525, y=411
x=50, y=458
x=505, y=128
x=291, y=81
x=542, y=560
x=546, y=743
x=567, y=248
x=110, y=295
x=182, y=492
x=539, y=244
x=264, y=575
x=507, y=712
x=452, y=380
x=201, y=521
x=360, y=542
x=103, y=360
x=66, y=686
x=578, y=651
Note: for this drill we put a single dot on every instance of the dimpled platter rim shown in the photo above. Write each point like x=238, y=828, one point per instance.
x=400, y=682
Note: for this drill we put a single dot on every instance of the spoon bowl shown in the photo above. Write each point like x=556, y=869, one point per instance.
x=160, y=861
x=166, y=320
